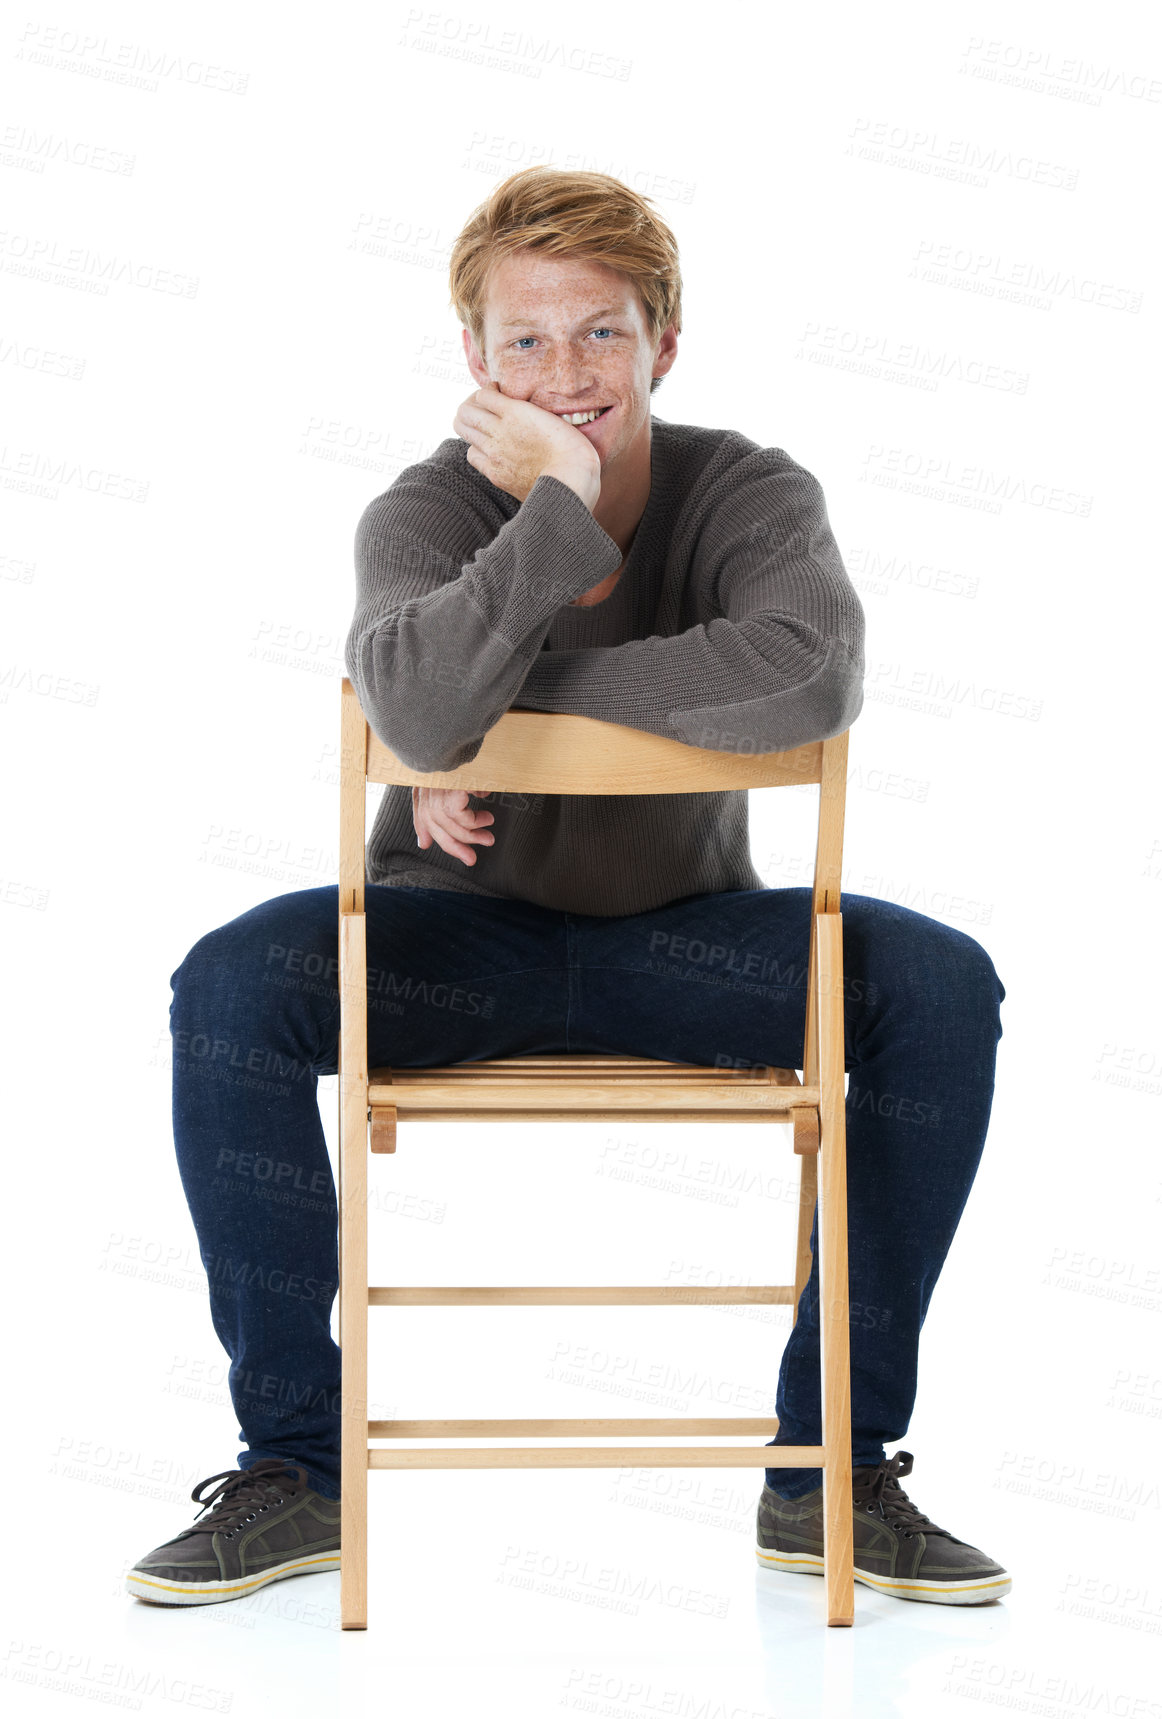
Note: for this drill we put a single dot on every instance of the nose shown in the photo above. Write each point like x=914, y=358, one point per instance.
x=568, y=373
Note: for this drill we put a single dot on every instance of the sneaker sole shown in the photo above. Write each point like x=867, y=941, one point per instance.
x=976, y=1592
x=164, y=1590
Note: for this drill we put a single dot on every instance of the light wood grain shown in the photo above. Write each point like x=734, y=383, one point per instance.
x=411, y=1097
x=352, y=1195
x=690, y=1426
x=546, y=752
x=352, y=1180
x=529, y=751
x=575, y=1295
x=602, y=1456
x=835, y=1312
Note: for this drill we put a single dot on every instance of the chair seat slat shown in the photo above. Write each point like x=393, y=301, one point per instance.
x=618, y=1427
x=451, y=1092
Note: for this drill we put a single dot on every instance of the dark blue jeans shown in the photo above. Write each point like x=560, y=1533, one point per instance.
x=455, y=978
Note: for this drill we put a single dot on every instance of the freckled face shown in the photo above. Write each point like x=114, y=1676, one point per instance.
x=569, y=335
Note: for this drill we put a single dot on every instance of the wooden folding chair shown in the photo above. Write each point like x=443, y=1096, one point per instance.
x=533, y=752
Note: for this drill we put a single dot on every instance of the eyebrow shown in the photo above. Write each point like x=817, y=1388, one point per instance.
x=606, y=310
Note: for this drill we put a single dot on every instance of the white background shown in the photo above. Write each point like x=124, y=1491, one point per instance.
x=917, y=247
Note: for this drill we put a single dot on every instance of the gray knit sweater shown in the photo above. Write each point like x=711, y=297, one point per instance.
x=734, y=625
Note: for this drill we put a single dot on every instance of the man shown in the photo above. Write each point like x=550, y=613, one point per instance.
x=578, y=554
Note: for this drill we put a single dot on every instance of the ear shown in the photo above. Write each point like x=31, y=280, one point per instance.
x=476, y=362
x=667, y=352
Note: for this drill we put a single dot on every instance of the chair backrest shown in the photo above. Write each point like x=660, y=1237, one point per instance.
x=541, y=752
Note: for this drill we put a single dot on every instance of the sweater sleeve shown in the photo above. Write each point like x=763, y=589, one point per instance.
x=778, y=663
x=437, y=650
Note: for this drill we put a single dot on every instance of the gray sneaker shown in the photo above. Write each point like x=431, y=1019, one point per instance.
x=897, y=1550
x=265, y=1523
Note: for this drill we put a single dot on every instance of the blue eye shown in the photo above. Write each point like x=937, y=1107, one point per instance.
x=518, y=342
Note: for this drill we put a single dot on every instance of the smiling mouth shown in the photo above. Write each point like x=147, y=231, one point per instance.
x=579, y=419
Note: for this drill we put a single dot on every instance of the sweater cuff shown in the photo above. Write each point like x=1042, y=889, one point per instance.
x=577, y=553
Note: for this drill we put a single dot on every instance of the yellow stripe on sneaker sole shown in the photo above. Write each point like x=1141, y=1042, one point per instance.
x=992, y=1588
x=228, y=1590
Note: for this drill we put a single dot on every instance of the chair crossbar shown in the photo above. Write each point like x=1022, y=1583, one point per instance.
x=604, y=1062
x=618, y=1427
x=579, y=1295
x=609, y=1113
x=497, y=1094
x=553, y=752
x=598, y=1456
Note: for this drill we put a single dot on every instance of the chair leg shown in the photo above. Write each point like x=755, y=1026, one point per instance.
x=808, y=1193
x=834, y=1326
x=353, y=1268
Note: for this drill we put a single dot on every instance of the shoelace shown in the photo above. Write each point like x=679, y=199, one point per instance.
x=245, y=1493
x=879, y=1491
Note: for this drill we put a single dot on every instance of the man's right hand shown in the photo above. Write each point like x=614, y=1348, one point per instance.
x=512, y=442
x=441, y=815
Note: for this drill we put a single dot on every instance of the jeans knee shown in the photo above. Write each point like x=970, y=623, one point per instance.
x=980, y=969
x=290, y=942
x=897, y=951
x=263, y=985
x=964, y=977
x=215, y=953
